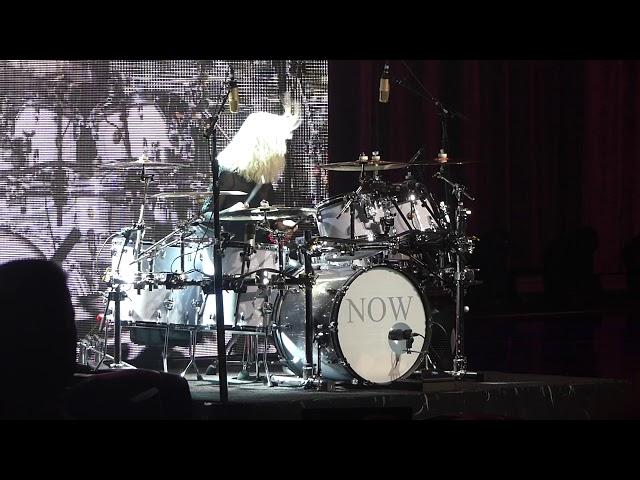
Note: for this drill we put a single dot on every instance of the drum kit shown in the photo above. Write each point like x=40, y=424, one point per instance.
x=342, y=289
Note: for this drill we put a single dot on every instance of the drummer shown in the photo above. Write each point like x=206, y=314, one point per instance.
x=253, y=161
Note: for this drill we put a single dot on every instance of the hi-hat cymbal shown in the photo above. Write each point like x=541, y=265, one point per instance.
x=140, y=163
x=259, y=214
x=368, y=166
x=197, y=195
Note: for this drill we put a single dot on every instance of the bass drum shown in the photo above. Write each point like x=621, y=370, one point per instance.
x=354, y=312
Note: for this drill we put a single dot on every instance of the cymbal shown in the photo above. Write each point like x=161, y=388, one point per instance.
x=368, y=166
x=139, y=163
x=197, y=195
x=259, y=214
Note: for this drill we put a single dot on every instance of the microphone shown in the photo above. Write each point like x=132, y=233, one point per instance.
x=234, y=99
x=384, y=85
x=400, y=334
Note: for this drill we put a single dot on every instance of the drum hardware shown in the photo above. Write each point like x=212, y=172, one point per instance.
x=116, y=295
x=309, y=281
x=462, y=277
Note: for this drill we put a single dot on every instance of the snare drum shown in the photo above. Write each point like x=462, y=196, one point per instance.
x=354, y=313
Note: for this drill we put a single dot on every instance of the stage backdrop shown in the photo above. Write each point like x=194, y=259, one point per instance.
x=62, y=122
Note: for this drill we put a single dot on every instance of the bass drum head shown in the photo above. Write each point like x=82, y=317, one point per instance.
x=357, y=323
x=377, y=301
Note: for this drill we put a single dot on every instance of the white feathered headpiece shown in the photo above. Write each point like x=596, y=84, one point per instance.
x=257, y=151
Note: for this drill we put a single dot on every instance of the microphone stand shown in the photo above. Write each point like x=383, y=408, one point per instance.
x=210, y=135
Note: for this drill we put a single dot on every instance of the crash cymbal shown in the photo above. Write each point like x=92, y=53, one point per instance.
x=259, y=214
x=197, y=195
x=139, y=163
x=368, y=166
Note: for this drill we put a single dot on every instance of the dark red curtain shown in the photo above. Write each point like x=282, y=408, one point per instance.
x=557, y=143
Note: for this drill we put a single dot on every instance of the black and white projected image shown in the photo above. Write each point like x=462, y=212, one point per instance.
x=69, y=130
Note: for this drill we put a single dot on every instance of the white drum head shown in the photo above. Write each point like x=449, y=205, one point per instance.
x=377, y=301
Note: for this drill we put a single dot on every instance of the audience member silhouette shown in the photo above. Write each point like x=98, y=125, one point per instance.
x=38, y=370
x=38, y=348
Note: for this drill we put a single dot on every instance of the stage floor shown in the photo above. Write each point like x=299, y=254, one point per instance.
x=498, y=396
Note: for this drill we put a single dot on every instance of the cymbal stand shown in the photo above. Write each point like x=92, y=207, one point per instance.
x=462, y=245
